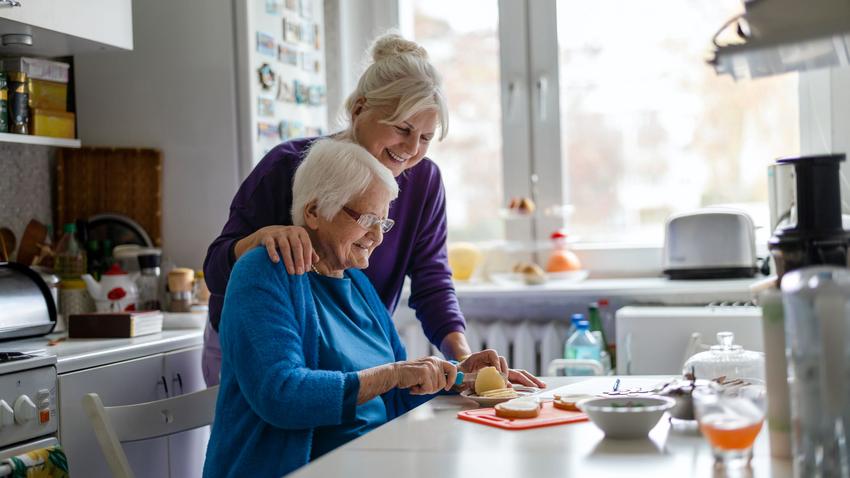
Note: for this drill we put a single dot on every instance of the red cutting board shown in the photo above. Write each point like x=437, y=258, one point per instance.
x=549, y=416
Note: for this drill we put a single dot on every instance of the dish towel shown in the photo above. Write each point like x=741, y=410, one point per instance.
x=47, y=462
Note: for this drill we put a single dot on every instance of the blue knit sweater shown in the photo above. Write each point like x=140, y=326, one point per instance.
x=272, y=396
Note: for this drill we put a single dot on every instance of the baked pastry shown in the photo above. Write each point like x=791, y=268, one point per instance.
x=522, y=205
x=532, y=274
x=518, y=408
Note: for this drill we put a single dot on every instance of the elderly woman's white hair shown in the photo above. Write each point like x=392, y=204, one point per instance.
x=333, y=173
x=400, y=77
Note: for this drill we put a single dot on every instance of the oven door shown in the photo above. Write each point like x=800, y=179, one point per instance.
x=31, y=445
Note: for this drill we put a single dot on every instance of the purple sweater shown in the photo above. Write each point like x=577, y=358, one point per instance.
x=415, y=247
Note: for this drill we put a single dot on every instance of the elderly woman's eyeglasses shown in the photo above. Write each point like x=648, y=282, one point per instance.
x=368, y=220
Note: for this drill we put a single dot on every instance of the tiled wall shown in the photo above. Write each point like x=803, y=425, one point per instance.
x=26, y=185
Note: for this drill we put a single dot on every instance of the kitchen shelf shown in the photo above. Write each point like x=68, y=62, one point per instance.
x=40, y=140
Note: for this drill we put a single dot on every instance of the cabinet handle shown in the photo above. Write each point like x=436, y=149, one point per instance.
x=9, y=3
x=164, y=384
x=177, y=378
x=542, y=96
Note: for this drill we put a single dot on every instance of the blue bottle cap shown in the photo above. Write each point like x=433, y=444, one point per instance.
x=576, y=317
x=583, y=325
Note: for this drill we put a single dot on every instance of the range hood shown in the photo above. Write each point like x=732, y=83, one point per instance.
x=780, y=36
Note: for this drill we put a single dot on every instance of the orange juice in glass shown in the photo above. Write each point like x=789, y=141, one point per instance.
x=731, y=419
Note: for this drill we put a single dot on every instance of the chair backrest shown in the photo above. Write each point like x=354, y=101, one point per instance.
x=142, y=421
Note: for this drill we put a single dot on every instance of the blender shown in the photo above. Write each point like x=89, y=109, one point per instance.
x=817, y=237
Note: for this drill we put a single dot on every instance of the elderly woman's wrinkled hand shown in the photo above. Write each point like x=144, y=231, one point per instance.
x=488, y=358
x=426, y=375
x=294, y=245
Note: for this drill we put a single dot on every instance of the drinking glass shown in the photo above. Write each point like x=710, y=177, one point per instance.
x=731, y=417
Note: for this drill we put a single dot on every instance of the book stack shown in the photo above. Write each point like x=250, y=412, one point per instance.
x=110, y=325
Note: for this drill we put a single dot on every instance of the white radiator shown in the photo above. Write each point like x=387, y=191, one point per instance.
x=525, y=344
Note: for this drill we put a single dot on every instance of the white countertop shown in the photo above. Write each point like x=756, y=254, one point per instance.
x=78, y=354
x=644, y=287
x=431, y=441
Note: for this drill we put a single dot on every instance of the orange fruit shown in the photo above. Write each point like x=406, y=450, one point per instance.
x=563, y=261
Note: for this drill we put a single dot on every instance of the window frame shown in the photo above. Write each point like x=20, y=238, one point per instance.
x=531, y=136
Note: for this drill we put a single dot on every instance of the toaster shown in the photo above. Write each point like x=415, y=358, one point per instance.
x=709, y=244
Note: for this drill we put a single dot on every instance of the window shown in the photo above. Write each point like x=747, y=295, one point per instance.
x=607, y=107
x=648, y=129
x=462, y=40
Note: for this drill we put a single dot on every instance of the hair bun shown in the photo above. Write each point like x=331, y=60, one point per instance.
x=392, y=44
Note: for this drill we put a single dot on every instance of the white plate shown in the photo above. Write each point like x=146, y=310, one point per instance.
x=521, y=391
x=515, y=278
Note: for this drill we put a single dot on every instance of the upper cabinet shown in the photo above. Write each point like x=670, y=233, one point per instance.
x=67, y=27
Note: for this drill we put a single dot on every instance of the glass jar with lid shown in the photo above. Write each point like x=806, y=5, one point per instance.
x=726, y=360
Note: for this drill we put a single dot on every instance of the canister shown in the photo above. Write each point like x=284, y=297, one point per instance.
x=4, y=103
x=817, y=330
x=18, y=103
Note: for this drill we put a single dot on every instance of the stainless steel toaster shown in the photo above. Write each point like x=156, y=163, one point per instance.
x=26, y=303
x=710, y=243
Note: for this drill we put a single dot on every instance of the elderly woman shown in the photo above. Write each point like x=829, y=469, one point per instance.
x=312, y=361
x=394, y=113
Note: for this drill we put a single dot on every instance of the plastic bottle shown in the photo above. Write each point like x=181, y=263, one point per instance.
x=574, y=320
x=562, y=258
x=70, y=257
x=582, y=344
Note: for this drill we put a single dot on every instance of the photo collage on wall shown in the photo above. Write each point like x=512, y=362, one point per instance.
x=290, y=70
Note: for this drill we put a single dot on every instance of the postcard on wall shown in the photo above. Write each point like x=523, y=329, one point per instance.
x=265, y=44
x=267, y=131
x=285, y=91
x=265, y=107
x=287, y=56
x=273, y=7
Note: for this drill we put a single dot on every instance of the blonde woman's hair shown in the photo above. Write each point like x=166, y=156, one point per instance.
x=333, y=173
x=402, y=78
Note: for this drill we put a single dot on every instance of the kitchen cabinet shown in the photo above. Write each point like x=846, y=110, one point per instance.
x=69, y=27
x=133, y=381
x=186, y=450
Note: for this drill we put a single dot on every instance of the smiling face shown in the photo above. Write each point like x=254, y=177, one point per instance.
x=397, y=146
x=342, y=243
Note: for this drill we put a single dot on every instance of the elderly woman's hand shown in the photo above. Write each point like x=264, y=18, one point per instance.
x=426, y=375
x=292, y=241
x=490, y=357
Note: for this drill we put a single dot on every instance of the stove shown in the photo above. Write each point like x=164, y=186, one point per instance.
x=28, y=401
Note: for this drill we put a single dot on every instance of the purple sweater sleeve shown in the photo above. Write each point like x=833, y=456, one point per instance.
x=432, y=292
x=263, y=199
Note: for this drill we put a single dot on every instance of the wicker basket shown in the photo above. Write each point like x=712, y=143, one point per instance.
x=126, y=181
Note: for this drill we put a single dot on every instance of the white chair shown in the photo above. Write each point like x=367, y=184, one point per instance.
x=128, y=423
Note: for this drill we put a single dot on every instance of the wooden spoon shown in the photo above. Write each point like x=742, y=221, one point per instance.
x=7, y=244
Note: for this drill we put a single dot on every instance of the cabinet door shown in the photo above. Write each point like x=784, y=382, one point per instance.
x=122, y=383
x=108, y=22
x=187, y=450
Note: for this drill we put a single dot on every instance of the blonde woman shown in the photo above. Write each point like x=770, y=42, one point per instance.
x=395, y=112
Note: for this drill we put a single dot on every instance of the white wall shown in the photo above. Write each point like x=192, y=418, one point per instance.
x=175, y=92
x=351, y=27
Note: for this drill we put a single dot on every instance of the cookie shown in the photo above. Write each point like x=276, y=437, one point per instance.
x=518, y=409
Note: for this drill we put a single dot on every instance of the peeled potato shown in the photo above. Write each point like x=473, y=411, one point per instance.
x=488, y=379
